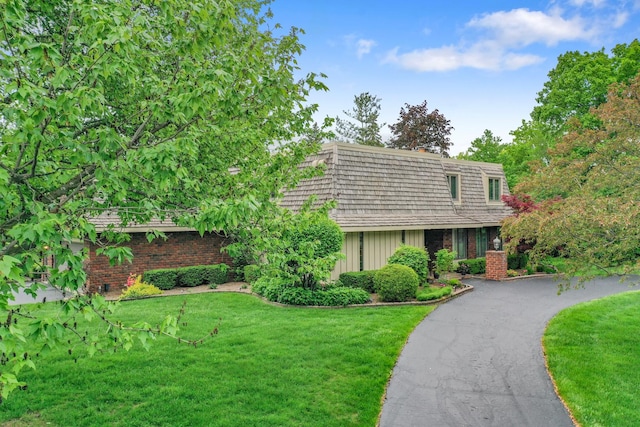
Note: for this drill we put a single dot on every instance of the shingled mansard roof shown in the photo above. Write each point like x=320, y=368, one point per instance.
x=388, y=189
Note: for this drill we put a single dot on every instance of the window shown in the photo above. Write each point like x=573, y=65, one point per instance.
x=494, y=189
x=460, y=242
x=452, y=180
x=481, y=242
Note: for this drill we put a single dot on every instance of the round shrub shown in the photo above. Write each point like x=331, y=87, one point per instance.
x=396, y=283
x=327, y=235
x=414, y=257
x=139, y=289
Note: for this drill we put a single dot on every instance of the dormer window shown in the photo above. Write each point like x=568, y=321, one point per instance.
x=495, y=189
x=454, y=186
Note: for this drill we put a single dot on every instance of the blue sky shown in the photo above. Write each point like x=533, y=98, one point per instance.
x=480, y=63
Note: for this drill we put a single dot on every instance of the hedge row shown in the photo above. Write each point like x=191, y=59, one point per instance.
x=169, y=278
x=275, y=290
x=359, y=279
x=473, y=266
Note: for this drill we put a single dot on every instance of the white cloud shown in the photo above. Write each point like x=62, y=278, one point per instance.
x=480, y=56
x=360, y=45
x=503, y=35
x=523, y=27
x=620, y=19
x=594, y=3
x=364, y=46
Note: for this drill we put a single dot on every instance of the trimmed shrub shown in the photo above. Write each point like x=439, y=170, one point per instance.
x=474, y=265
x=395, y=282
x=359, y=279
x=139, y=289
x=164, y=279
x=216, y=274
x=326, y=234
x=517, y=261
x=333, y=297
x=276, y=290
x=251, y=273
x=191, y=276
x=414, y=257
x=434, y=293
x=340, y=296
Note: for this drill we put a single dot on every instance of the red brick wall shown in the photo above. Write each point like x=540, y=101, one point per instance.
x=496, y=265
x=447, y=239
x=471, y=243
x=181, y=249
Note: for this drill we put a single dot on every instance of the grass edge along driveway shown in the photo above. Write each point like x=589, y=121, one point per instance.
x=593, y=353
x=269, y=366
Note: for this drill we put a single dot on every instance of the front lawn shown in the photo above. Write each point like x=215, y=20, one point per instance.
x=593, y=355
x=268, y=366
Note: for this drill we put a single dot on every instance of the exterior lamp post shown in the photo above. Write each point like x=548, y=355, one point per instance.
x=496, y=243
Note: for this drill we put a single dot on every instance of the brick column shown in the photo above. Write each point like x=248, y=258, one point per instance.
x=496, y=265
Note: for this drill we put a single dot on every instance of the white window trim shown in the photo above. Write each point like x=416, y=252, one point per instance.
x=485, y=180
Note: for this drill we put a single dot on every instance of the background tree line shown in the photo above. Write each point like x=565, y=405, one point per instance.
x=416, y=127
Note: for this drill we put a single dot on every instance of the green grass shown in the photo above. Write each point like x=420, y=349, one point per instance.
x=562, y=265
x=593, y=355
x=268, y=366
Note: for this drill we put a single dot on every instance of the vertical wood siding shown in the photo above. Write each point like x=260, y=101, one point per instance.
x=379, y=246
x=414, y=238
x=351, y=249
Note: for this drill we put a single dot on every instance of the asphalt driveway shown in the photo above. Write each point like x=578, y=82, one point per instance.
x=477, y=360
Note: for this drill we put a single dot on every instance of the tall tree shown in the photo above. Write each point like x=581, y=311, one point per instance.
x=171, y=109
x=419, y=128
x=365, y=113
x=590, y=208
x=530, y=144
x=579, y=82
x=486, y=148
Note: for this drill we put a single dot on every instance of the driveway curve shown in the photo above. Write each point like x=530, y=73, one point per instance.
x=477, y=360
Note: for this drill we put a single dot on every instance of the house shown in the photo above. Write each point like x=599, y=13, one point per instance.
x=386, y=197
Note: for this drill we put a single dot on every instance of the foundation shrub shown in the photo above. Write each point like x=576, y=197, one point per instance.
x=396, y=283
x=474, y=265
x=164, y=279
x=216, y=274
x=413, y=257
x=191, y=276
x=359, y=279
